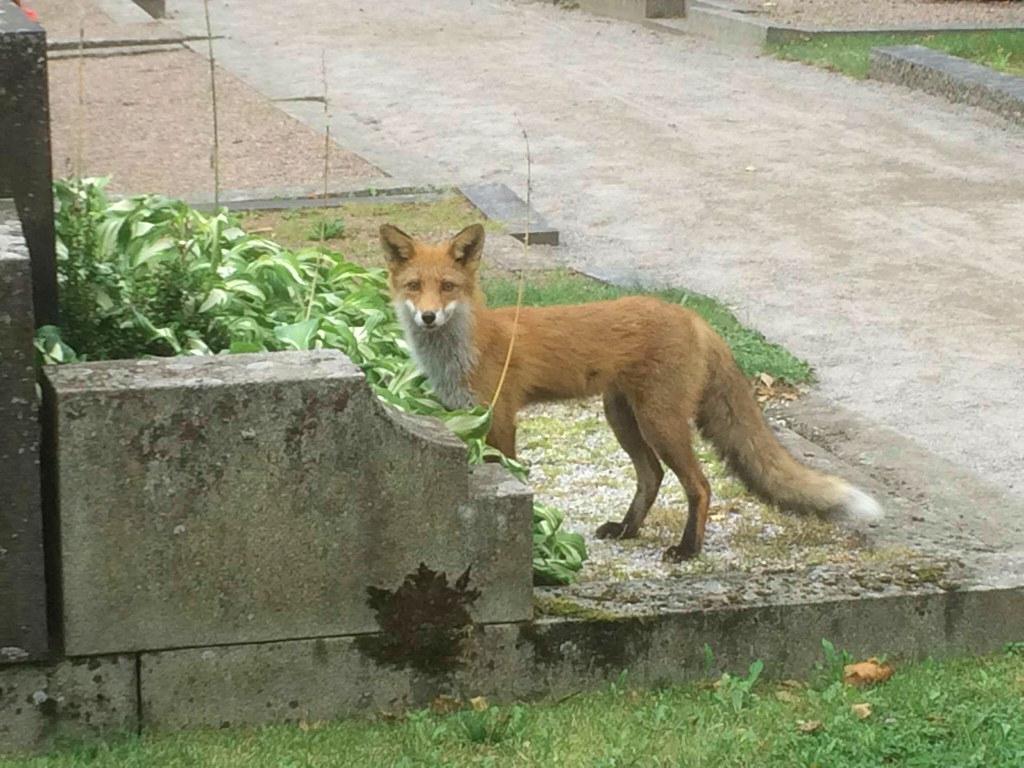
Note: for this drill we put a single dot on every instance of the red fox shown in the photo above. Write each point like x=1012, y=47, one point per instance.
x=657, y=365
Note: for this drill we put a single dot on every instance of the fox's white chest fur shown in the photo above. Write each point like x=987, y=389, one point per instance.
x=445, y=354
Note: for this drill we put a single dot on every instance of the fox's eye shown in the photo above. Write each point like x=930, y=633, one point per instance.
x=447, y=285
x=413, y=285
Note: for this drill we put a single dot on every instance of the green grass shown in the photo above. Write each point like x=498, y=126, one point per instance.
x=849, y=54
x=753, y=352
x=960, y=713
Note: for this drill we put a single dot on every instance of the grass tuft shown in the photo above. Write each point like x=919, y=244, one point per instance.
x=850, y=54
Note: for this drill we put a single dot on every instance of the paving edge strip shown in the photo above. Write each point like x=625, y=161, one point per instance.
x=956, y=79
x=727, y=23
x=497, y=202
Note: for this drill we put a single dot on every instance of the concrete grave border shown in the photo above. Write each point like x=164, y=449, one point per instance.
x=728, y=23
x=497, y=202
x=957, y=79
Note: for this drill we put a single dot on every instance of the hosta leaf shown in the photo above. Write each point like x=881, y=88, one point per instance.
x=298, y=335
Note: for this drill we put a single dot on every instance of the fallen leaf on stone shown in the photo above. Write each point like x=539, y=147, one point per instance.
x=862, y=711
x=445, y=705
x=478, y=703
x=809, y=726
x=867, y=672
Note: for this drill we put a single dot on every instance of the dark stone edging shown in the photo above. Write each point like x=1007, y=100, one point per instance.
x=957, y=79
x=728, y=23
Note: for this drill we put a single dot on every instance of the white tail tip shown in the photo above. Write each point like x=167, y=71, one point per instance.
x=858, y=505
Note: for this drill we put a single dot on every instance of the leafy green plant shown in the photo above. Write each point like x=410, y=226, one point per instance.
x=326, y=229
x=830, y=671
x=151, y=276
x=735, y=692
x=491, y=725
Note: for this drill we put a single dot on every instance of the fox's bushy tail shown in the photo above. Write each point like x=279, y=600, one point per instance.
x=730, y=418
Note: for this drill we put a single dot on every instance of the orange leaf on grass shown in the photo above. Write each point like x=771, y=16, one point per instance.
x=867, y=672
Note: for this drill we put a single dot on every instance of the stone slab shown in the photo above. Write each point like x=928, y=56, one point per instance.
x=499, y=203
x=246, y=498
x=70, y=699
x=109, y=53
x=635, y=9
x=732, y=24
x=334, y=677
x=23, y=633
x=25, y=172
x=155, y=8
x=74, y=44
x=956, y=79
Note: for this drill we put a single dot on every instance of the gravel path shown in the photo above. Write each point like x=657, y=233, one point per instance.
x=146, y=118
x=147, y=123
x=62, y=18
x=889, y=14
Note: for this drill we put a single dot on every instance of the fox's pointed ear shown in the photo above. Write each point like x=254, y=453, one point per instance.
x=468, y=245
x=397, y=245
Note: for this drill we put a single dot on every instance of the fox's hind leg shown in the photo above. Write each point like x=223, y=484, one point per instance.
x=649, y=473
x=669, y=434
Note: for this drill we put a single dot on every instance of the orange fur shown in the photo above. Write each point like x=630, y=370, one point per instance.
x=657, y=365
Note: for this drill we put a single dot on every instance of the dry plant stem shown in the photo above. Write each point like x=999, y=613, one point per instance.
x=522, y=274
x=327, y=121
x=79, y=170
x=327, y=156
x=215, y=159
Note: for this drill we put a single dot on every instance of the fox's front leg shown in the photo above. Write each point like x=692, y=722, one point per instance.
x=503, y=428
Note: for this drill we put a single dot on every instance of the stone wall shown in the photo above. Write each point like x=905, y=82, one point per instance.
x=22, y=589
x=252, y=498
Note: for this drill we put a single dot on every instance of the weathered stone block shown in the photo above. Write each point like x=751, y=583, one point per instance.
x=22, y=587
x=635, y=10
x=25, y=163
x=247, y=498
x=68, y=699
x=499, y=203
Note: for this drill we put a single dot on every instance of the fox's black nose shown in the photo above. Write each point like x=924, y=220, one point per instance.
x=428, y=318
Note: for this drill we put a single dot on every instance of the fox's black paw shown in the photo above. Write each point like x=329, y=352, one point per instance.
x=679, y=553
x=613, y=531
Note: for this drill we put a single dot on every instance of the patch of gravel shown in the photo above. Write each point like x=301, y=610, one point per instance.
x=147, y=123
x=753, y=554
x=577, y=466
x=889, y=14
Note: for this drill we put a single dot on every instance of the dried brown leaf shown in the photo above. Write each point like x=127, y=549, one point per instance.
x=445, y=705
x=862, y=711
x=868, y=672
x=478, y=703
x=809, y=726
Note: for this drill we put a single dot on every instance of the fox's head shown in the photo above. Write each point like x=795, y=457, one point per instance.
x=433, y=282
